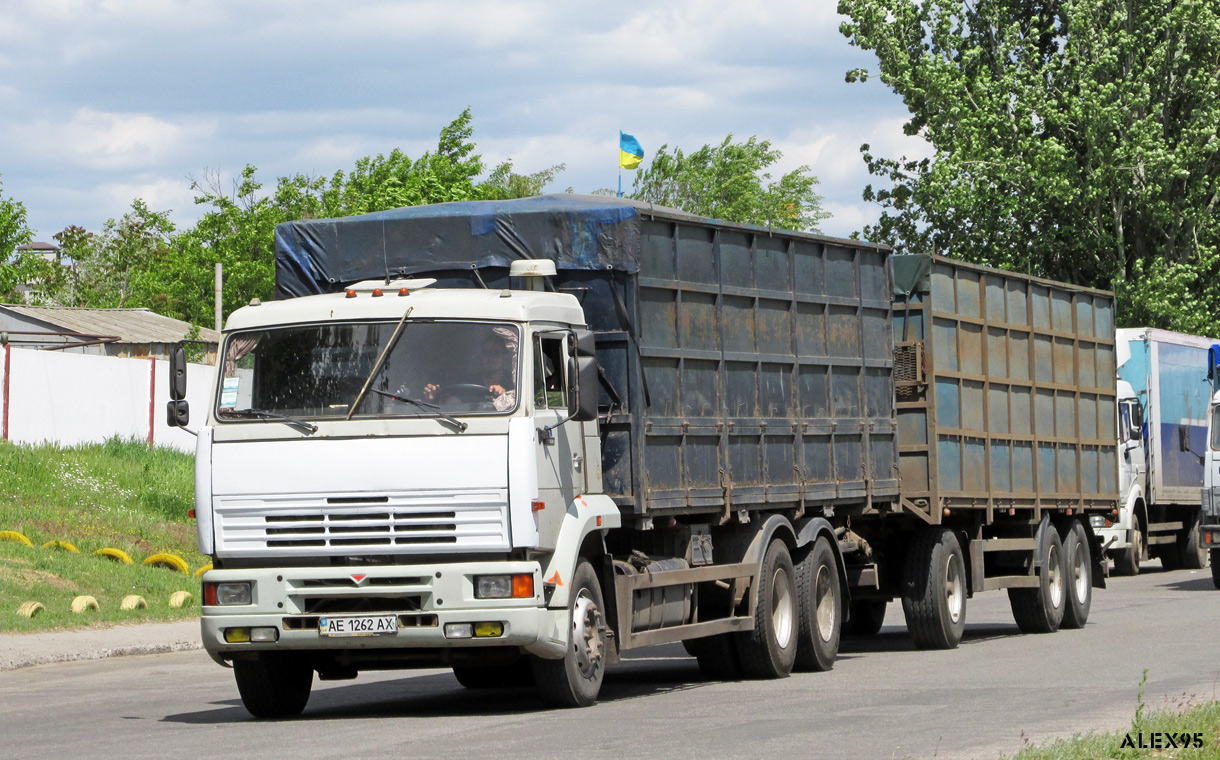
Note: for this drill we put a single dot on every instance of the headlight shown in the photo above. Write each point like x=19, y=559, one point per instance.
x=518, y=586
x=1097, y=521
x=231, y=593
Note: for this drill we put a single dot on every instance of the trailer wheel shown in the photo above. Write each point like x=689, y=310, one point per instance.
x=934, y=589
x=1079, y=576
x=1040, y=609
x=819, y=608
x=509, y=676
x=1215, y=558
x=1192, y=555
x=1128, y=560
x=273, y=685
x=769, y=651
x=575, y=680
x=867, y=617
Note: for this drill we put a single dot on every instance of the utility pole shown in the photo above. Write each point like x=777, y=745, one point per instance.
x=219, y=293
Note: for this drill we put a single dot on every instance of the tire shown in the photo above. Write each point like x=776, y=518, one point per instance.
x=510, y=676
x=1128, y=562
x=1041, y=609
x=819, y=609
x=576, y=679
x=1078, y=563
x=274, y=685
x=867, y=617
x=1215, y=558
x=1170, y=556
x=717, y=656
x=1192, y=554
x=934, y=589
x=769, y=651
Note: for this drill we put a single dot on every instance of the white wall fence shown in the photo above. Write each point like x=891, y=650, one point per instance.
x=69, y=399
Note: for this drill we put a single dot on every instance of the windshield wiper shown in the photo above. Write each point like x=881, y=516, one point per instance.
x=461, y=426
x=263, y=414
x=380, y=360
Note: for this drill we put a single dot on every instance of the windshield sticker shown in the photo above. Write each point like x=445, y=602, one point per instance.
x=228, y=392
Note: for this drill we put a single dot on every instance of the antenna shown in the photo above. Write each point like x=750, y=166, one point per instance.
x=384, y=259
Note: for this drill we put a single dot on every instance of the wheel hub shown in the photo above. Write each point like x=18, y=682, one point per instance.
x=826, y=607
x=955, y=595
x=783, y=613
x=587, y=635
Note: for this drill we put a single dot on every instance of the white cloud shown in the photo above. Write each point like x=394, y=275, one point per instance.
x=111, y=141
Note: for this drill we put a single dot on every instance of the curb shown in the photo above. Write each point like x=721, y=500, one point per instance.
x=98, y=654
x=24, y=650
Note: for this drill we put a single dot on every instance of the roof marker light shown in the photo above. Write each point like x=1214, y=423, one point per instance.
x=351, y=293
x=376, y=292
x=404, y=292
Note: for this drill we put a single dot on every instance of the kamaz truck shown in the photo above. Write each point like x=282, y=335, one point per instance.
x=520, y=438
x=1163, y=399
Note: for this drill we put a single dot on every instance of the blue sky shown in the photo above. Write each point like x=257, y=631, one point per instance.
x=105, y=101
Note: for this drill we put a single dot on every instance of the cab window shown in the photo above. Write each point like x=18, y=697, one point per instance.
x=550, y=390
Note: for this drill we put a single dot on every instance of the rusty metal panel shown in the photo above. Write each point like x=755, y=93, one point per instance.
x=767, y=359
x=1019, y=401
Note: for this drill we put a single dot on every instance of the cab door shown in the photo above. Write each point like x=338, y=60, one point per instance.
x=561, y=447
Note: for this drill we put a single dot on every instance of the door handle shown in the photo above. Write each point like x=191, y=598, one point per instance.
x=577, y=460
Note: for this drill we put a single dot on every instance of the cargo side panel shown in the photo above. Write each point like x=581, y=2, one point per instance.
x=1009, y=402
x=768, y=365
x=1178, y=401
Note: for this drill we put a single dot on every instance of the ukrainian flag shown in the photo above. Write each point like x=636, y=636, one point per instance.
x=630, y=154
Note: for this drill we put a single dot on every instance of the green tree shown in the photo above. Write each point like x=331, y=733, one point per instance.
x=17, y=268
x=730, y=181
x=1073, y=139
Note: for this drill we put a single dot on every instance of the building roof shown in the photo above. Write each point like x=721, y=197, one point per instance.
x=37, y=246
x=128, y=325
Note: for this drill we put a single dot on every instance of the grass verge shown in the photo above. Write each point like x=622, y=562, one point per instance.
x=118, y=494
x=1184, y=732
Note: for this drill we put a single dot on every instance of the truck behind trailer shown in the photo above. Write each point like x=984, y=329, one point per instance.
x=519, y=438
x=1163, y=398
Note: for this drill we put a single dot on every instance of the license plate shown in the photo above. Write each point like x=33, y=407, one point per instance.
x=363, y=625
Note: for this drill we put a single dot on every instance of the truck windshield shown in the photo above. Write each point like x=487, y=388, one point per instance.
x=317, y=371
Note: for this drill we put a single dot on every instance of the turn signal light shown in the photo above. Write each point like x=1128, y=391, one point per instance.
x=523, y=586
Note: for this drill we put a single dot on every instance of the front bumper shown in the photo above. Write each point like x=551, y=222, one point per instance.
x=423, y=597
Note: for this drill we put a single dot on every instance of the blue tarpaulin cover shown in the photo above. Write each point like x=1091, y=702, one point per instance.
x=576, y=231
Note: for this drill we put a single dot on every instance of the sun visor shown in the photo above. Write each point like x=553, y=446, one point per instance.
x=576, y=232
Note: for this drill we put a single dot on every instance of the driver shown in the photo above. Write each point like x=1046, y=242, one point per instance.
x=495, y=370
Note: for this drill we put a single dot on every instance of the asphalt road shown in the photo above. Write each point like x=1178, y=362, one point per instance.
x=882, y=700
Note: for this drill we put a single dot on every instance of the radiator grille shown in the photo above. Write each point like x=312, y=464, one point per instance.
x=387, y=523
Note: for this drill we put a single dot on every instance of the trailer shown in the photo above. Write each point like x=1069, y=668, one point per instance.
x=733, y=437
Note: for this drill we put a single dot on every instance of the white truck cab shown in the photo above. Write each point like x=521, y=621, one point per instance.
x=1122, y=534
x=398, y=471
x=1209, y=529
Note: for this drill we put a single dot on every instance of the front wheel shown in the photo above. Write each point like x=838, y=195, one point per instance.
x=820, y=607
x=273, y=685
x=934, y=589
x=575, y=680
x=1128, y=561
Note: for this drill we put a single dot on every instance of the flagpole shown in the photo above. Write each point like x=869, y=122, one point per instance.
x=620, y=163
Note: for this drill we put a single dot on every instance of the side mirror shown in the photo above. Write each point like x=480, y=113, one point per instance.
x=177, y=413
x=582, y=388
x=177, y=372
x=1183, y=438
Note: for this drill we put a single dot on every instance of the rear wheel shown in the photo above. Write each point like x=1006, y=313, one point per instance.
x=717, y=656
x=820, y=608
x=1215, y=567
x=1192, y=554
x=1078, y=562
x=575, y=680
x=1040, y=609
x=769, y=651
x=934, y=589
x=273, y=685
x=867, y=617
x=1128, y=561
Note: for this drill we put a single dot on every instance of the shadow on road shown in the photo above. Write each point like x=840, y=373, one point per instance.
x=895, y=638
x=1201, y=583
x=639, y=675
